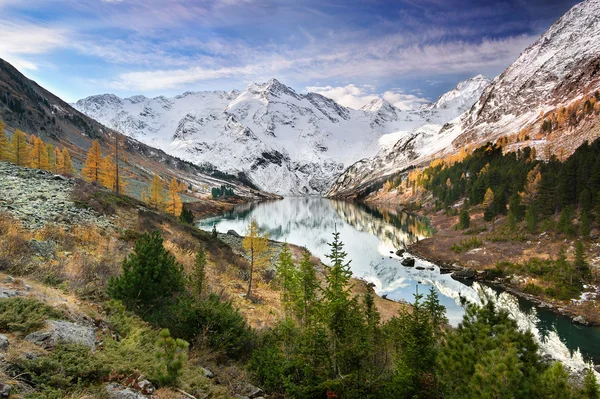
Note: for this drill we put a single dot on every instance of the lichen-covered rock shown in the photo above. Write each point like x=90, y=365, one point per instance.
x=116, y=391
x=64, y=332
x=4, y=390
x=3, y=342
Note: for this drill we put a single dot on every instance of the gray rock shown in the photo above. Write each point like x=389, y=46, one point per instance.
x=116, y=391
x=6, y=293
x=253, y=392
x=409, y=262
x=580, y=320
x=465, y=274
x=207, y=373
x=400, y=252
x=233, y=233
x=4, y=390
x=3, y=342
x=45, y=249
x=64, y=332
x=9, y=279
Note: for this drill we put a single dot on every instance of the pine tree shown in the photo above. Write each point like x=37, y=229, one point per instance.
x=156, y=198
x=436, y=311
x=68, y=165
x=4, y=143
x=531, y=218
x=590, y=390
x=173, y=205
x=464, y=220
x=151, y=277
x=288, y=279
x=565, y=223
x=171, y=356
x=515, y=213
x=584, y=224
x=198, y=276
x=256, y=246
x=19, y=149
x=554, y=383
x=308, y=286
x=186, y=216
x=92, y=169
x=580, y=265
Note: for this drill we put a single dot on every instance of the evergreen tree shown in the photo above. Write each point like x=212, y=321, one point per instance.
x=531, y=218
x=256, y=246
x=198, y=276
x=436, y=312
x=4, y=143
x=68, y=166
x=171, y=356
x=214, y=232
x=151, y=277
x=565, y=223
x=516, y=210
x=464, y=220
x=590, y=390
x=92, y=169
x=308, y=287
x=173, y=205
x=19, y=149
x=287, y=276
x=581, y=266
x=554, y=383
x=186, y=216
x=584, y=224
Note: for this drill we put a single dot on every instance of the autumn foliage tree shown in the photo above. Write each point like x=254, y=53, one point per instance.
x=156, y=196
x=67, y=168
x=92, y=169
x=19, y=149
x=256, y=245
x=4, y=144
x=39, y=154
x=173, y=205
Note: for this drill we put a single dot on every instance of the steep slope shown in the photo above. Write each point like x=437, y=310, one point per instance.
x=285, y=142
x=27, y=106
x=558, y=69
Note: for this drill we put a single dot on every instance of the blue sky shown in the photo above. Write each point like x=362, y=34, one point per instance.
x=407, y=51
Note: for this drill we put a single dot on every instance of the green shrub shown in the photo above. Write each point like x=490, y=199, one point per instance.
x=533, y=289
x=25, y=315
x=65, y=369
x=466, y=245
x=171, y=355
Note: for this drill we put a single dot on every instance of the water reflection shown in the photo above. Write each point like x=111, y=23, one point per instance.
x=372, y=236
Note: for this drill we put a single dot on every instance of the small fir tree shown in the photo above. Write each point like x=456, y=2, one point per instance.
x=186, y=216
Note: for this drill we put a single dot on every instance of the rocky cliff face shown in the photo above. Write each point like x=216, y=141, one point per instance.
x=559, y=68
x=284, y=141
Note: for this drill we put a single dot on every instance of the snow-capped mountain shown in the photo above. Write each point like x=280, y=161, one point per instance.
x=560, y=67
x=285, y=142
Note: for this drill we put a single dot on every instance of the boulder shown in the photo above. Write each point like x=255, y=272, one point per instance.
x=233, y=233
x=207, y=373
x=420, y=268
x=409, y=262
x=116, y=391
x=252, y=392
x=64, y=332
x=580, y=320
x=464, y=274
x=44, y=249
x=400, y=252
x=4, y=390
x=3, y=342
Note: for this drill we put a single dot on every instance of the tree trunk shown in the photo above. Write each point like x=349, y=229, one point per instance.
x=251, y=271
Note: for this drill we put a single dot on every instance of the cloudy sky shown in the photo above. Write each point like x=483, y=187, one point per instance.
x=406, y=51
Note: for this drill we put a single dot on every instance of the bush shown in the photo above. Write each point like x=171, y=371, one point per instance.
x=533, y=289
x=25, y=315
x=466, y=245
x=171, y=355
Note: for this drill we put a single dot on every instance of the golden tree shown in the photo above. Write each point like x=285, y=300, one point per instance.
x=118, y=155
x=19, y=148
x=256, y=246
x=68, y=165
x=38, y=157
x=4, y=144
x=110, y=177
x=51, y=157
x=59, y=161
x=156, y=197
x=174, y=205
x=488, y=198
x=92, y=170
x=534, y=177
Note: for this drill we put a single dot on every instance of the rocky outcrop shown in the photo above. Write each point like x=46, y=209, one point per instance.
x=37, y=197
x=63, y=332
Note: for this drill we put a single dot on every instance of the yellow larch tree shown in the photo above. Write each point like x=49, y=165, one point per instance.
x=110, y=177
x=92, y=169
x=4, y=144
x=488, y=198
x=156, y=196
x=174, y=204
x=51, y=157
x=118, y=157
x=19, y=148
x=67, y=163
x=59, y=161
x=532, y=184
x=256, y=245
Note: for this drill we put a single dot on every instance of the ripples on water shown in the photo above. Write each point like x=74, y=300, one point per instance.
x=372, y=235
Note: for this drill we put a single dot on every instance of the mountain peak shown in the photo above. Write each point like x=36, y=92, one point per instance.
x=463, y=93
x=377, y=105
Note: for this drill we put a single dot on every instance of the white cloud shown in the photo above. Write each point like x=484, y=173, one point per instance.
x=404, y=101
x=21, y=41
x=349, y=96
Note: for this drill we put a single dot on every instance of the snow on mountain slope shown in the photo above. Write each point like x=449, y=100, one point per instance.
x=285, y=142
x=560, y=67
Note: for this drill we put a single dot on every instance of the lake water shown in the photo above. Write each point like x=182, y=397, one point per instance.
x=372, y=236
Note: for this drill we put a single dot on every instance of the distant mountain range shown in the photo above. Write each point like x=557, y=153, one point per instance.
x=285, y=142
x=561, y=67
